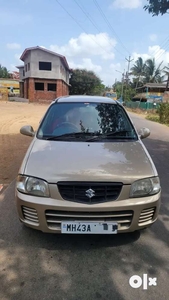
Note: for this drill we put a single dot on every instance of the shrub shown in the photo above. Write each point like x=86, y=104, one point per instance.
x=154, y=118
x=163, y=112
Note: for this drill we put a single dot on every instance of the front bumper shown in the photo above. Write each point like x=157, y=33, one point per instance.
x=46, y=214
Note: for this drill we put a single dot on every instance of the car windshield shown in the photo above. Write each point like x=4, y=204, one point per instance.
x=86, y=121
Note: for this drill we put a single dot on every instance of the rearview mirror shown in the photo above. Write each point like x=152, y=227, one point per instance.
x=144, y=133
x=27, y=130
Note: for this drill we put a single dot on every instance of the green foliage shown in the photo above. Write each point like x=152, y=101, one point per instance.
x=4, y=73
x=151, y=72
x=98, y=90
x=138, y=70
x=147, y=71
x=117, y=87
x=128, y=90
x=85, y=82
x=154, y=118
x=129, y=93
x=157, y=7
x=163, y=112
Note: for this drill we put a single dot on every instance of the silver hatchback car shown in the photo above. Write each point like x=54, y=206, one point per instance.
x=87, y=171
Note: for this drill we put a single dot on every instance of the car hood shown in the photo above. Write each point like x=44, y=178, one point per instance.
x=82, y=161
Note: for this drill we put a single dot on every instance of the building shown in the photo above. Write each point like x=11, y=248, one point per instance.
x=150, y=92
x=9, y=86
x=111, y=94
x=44, y=75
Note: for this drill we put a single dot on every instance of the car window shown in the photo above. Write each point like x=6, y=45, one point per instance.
x=102, y=118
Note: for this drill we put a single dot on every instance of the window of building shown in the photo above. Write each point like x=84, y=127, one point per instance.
x=25, y=68
x=39, y=86
x=45, y=66
x=23, y=73
x=28, y=66
x=52, y=87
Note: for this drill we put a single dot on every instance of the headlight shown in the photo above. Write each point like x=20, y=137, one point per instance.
x=145, y=187
x=32, y=186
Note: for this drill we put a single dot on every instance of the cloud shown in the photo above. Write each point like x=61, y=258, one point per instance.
x=153, y=37
x=107, y=72
x=154, y=52
x=126, y=4
x=87, y=45
x=13, y=46
x=144, y=56
x=86, y=64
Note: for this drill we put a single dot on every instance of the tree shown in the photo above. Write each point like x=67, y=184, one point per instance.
x=152, y=73
x=117, y=87
x=138, y=70
x=85, y=82
x=128, y=90
x=157, y=7
x=4, y=73
x=166, y=74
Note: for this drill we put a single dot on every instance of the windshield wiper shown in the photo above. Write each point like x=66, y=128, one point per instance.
x=71, y=135
x=92, y=135
x=113, y=134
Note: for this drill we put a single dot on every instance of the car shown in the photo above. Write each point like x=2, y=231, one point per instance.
x=87, y=171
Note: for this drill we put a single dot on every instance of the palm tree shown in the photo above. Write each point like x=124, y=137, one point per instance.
x=138, y=70
x=152, y=73
x=166, y=73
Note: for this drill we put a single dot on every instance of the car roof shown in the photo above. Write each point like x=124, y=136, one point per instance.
x=82, y=98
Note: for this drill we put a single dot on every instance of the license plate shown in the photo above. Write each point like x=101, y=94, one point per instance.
x=89, y=228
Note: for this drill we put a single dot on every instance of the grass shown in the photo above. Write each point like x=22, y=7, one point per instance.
x=153, y=117
x=150, y=115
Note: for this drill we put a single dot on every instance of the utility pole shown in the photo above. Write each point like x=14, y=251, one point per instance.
x=129, y=61
x=127, y=74
x=122, y=85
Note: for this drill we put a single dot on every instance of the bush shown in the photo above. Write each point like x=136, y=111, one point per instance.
x=163, y=112
x=153, y=118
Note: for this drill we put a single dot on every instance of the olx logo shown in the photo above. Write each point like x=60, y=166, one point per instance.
x=136, y=281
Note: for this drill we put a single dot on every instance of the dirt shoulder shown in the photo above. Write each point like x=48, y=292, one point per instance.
x=13, y=145
x=139, y=113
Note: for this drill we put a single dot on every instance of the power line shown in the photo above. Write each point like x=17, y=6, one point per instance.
x=109, y=24
x=162, y=45
x=80, y=25
x=94, y=24
x=158, y=51
x=163, y=51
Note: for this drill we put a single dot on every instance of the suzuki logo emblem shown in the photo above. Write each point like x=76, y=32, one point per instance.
x=90, y=193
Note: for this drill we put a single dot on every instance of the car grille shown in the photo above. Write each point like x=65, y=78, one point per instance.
x=146, y=215
x=77, y=191
x=30, y=215
x=55, y=217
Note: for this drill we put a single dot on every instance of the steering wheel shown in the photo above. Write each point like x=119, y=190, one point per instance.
x=69, y=124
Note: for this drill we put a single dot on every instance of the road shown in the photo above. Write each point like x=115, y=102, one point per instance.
x=34, y=265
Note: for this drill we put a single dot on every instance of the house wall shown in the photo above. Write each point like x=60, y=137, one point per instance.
x=33, y=95
x=21, y=77
x=58, y=69
x=21, y=88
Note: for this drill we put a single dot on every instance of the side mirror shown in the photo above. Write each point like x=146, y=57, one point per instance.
x=27, y=130
x=144, y=133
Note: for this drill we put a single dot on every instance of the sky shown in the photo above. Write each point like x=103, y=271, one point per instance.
x=97, y=35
